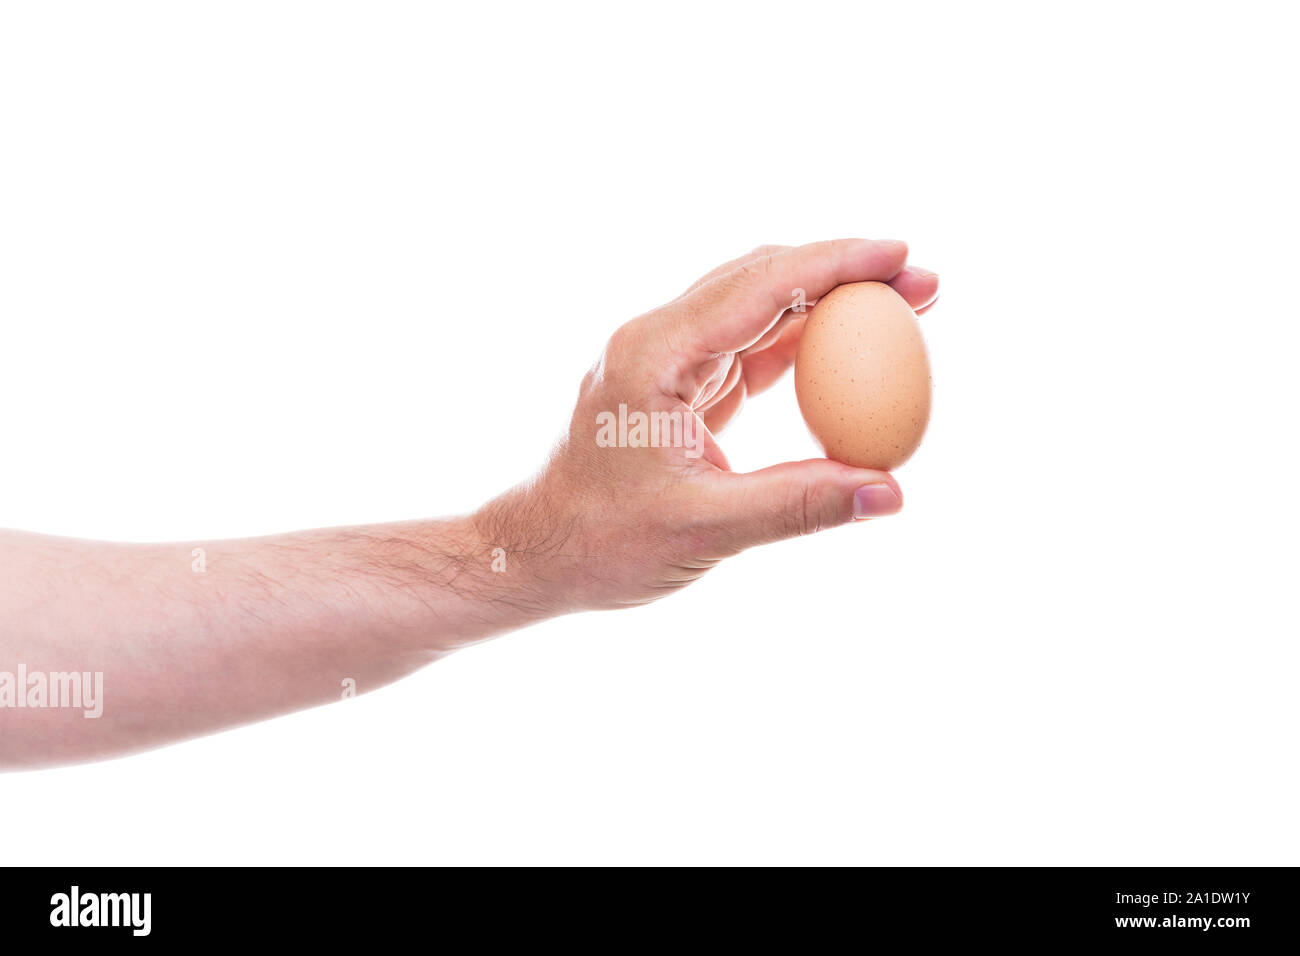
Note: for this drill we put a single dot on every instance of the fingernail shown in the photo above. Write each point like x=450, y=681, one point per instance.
x=893, y=242
x=923, y=273
x=876, y=501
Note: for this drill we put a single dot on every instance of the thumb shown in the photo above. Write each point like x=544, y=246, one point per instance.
x=803, y=497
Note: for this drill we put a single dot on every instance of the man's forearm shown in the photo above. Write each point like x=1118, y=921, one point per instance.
x=192, y=638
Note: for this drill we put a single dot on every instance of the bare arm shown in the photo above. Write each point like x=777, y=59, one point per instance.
x=189, y=643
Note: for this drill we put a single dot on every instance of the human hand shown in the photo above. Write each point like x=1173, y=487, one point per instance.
x=614, y=518
x=638, y=499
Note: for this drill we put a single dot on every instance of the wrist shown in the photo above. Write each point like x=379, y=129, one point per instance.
x=434, y=585
x=532, y=546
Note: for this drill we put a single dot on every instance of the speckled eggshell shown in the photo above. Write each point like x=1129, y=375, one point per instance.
x=862, y=376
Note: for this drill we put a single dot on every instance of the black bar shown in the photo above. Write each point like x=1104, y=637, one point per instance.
x=1220, y=908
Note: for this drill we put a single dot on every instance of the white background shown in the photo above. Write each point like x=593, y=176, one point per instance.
x=266, y=266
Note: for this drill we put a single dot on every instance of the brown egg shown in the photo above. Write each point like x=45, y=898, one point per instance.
x=862, y=376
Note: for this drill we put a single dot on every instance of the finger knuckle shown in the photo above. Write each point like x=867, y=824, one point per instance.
x=802, y=510
x=593, y=377
x=757, y=270
x=622, y=344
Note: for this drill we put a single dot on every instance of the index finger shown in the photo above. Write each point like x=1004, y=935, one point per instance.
x=732, y=264
x=732, y=311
